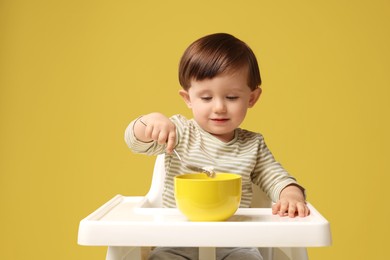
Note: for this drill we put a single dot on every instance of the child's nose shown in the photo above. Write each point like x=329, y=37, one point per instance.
x=219, y=106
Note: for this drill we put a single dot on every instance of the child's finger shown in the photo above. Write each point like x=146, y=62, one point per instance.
x=283, y=208
x=291, y=210
x=307, y=211
x=162, y=137
x=276, y=208
x=148, y=131
x=171, y=141
x=155, y=133
x=301, y=208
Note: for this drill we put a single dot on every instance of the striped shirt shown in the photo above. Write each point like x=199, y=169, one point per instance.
x=246, y=154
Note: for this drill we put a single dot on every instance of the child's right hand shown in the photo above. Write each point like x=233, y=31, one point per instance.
x=156, y=127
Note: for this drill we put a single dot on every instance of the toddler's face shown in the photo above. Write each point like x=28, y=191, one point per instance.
x=219, y=105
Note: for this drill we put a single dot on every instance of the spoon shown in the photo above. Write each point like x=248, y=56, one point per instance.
x=209, y=171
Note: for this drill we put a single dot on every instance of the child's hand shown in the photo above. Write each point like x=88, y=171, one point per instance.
x=291, y=203
x=156, y=127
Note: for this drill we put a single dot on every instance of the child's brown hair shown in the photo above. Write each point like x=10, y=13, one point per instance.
x=215, y=54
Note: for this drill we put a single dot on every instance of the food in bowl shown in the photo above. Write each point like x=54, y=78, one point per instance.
x=201, y=198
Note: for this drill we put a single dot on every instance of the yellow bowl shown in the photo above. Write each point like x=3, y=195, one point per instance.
x=201, y=198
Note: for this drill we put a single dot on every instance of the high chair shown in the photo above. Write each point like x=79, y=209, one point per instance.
x=125, y=224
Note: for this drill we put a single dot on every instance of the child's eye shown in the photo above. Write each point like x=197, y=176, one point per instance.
x=205, y=98
x=232, y=97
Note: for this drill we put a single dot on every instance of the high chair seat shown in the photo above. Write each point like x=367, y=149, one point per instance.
x=125, y=224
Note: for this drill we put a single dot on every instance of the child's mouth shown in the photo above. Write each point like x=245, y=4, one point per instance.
x=219, y=120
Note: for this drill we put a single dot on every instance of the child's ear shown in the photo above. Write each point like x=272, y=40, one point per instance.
x=254, y=96
x=186, y=97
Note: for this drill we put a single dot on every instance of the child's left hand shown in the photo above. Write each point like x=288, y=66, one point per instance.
x=291, y=202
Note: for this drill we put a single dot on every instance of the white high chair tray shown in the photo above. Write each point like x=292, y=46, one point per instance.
x=125, y=221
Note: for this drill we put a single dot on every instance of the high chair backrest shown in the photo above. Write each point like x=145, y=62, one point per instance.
x=154, y=196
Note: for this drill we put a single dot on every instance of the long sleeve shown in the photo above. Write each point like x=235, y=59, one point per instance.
x=137, y=146
x=269, y=174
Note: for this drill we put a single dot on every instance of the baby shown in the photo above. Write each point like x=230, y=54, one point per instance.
x=220, y=78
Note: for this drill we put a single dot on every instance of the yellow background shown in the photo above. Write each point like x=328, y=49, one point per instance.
x=73, y=74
